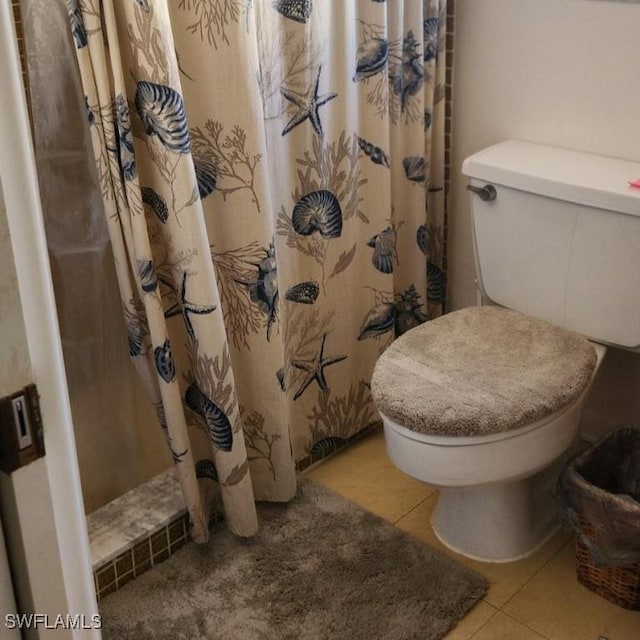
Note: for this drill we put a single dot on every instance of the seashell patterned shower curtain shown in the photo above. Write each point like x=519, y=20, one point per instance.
x=272, y=173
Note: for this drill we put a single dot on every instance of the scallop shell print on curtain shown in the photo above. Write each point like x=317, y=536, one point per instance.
x=275, y=197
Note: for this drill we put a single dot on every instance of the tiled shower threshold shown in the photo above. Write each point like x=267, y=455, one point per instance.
x=136, y=531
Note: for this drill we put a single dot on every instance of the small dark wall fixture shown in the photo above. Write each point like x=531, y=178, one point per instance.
x=21, y=432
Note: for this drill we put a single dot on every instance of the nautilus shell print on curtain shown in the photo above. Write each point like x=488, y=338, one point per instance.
x=318, y=211
x=161, y=110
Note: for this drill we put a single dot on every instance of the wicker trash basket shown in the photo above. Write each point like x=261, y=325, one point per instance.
x=599, y=498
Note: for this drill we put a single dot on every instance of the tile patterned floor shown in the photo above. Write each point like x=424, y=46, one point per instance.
x=533, y=599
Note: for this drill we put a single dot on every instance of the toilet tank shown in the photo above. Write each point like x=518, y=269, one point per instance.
x=561, y=239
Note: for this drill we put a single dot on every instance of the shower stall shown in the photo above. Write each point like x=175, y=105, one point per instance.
x=283, y=333
x=119, y=446
x=126, y=476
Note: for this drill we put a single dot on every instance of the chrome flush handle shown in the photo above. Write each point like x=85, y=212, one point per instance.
x=486, y=193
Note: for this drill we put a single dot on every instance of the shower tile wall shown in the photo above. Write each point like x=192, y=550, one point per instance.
x=448, y=141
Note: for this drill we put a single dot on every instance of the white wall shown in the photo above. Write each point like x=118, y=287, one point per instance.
x=560, y=72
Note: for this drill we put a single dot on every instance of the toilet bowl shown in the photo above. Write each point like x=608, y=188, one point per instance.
x=489, y=415
x=496, y=501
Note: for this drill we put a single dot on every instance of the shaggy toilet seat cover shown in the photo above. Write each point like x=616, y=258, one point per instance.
x=479, y=371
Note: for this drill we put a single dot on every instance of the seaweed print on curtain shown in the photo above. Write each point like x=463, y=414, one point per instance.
x=314, y=157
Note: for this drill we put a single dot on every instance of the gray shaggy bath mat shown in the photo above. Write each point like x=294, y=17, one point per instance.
x=320, y=568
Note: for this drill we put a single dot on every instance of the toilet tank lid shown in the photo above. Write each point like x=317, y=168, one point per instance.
x=573, y=176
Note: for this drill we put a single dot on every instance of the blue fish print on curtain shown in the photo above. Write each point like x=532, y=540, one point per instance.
x=217, y=423
x=161, y=110
x=156, y=203
x=77, y=24
x=124, y=139
x=318, y=211
x=296, y=10
x=164, y=362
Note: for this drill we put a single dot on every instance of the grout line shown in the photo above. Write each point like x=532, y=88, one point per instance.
x=433, y=491
x=491, y=617
x=536, y=572
x=525, y=625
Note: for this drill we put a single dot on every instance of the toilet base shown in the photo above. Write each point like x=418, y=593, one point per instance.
x=500, y=522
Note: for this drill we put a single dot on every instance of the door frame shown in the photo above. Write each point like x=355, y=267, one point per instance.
x=26, y=227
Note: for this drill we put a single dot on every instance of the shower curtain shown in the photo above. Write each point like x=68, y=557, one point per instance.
x=272, y=174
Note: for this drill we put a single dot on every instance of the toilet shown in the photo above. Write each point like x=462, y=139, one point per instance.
x=485, y=403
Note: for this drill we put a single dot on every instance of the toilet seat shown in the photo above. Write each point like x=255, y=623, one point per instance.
x=481, y=371
x=462, y=461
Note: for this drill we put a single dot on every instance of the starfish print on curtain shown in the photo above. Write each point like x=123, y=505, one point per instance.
x=315, y=369
x=308, y=105
x=185, y=308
